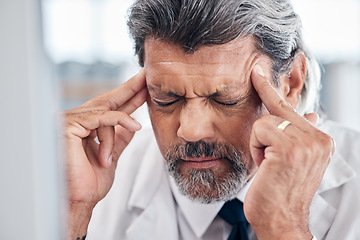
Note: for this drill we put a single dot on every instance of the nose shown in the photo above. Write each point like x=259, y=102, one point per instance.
x=196, y=122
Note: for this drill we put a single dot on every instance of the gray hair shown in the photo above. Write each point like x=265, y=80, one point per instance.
x=192, y=24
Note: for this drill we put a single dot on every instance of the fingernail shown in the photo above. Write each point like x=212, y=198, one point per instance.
x=258, y=69
x=137, y=123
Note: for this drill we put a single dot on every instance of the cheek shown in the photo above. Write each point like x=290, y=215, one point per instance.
x=164, y=126
x=236, y=130
x=238, y=126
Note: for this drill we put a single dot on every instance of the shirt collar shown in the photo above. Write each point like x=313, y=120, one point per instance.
x=198, y=215
x=337, y=173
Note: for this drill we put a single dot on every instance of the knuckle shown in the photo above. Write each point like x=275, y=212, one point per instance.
x=260, y=124
x=313, y=145
x=257, y=124
x=68, y=131
x=101, y=118
x=284, y=105
x=264, y=123
x=328, y=143
x=322, y=146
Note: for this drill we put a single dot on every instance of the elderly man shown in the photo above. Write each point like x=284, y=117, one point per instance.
x=228, y=156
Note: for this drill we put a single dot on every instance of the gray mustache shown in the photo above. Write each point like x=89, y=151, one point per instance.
x=203, y=149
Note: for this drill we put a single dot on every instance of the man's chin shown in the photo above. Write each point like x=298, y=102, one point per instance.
x=205, y=186
x=207, y=172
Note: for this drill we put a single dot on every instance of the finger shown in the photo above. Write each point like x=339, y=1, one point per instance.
x=109, y=119
x=313, y=118
x=92, y=151
x=275, y=104
x=264, y=134
x=80, y=124
x=106, y=137
x=267, y=136
x=122, y=139
x=120, y=95
x=92, y=136
x=135, y=102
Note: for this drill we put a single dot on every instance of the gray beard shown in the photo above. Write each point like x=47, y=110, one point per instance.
x=203, y=185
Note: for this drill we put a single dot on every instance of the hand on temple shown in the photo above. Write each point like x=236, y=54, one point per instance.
x=90, y=164
x=291, y=161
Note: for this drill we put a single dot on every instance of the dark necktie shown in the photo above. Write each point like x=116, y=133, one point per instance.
x=233, y=213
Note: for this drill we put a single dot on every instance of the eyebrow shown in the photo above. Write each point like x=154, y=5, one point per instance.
x=159, y=91
x=228, y=90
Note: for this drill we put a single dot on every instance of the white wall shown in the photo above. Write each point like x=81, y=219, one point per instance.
x=30, y=176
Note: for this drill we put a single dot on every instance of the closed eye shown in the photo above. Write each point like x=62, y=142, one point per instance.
x=226, y=103
x=165, y=104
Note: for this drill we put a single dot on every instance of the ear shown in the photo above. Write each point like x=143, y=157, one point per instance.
x=292, y=81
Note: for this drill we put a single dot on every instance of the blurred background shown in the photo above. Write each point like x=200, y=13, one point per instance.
x=56, y=54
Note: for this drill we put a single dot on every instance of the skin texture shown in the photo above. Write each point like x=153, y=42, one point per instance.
x=203, y=82
x=219, y=93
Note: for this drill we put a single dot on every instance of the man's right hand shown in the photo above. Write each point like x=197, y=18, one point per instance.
x=91, y=165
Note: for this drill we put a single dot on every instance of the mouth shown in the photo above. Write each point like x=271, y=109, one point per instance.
x=202, y=162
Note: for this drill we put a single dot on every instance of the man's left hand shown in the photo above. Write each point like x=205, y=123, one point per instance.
x=291, y=165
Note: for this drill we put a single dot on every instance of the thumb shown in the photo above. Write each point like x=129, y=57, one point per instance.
x=122, y=139
x=313, y=118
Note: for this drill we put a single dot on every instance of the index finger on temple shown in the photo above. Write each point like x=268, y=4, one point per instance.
x=274, y=103
x=120, y=95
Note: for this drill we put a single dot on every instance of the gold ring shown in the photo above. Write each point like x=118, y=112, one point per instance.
x=283, y=125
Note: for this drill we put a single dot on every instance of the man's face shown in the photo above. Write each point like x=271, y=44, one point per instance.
x=202, y=107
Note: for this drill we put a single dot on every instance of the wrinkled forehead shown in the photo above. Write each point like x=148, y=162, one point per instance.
x=163, y=51
x=205, y=71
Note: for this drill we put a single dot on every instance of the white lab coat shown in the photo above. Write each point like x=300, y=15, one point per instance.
x=140, y=204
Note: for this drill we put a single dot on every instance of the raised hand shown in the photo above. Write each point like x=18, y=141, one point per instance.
x=291, y=161
x=91, y=165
